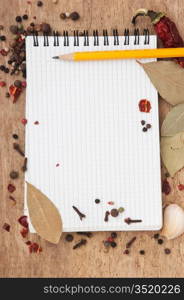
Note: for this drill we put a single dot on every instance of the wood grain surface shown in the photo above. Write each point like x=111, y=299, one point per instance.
x=91, y=260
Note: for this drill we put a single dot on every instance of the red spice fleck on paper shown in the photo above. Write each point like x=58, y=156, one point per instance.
x=23, y=221
x=36, y=123
x=6, y=227
x=110, y=203
x=181, y=187
x=144, y=105
x=11, y=188
x=166, y=189
x=57, y=165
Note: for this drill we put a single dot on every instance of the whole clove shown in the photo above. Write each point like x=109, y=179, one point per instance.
x=107, y=213
x=129, y=244
x=129, y=221
x=79, y=244
x=88, y=234
x=18, y=149
x=24, y=167
x=81, y=215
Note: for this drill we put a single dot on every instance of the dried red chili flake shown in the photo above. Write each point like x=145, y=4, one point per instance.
x=181, y=187
x=144, y=105
x=24, y=232
x=15, y=92
x=166, y=189
x=3, y=52
x=24, y=121
x=6, y=227
x=2, y=83
x=36, y=123
x=12, y=199
x=24, y=84
x=11, y=188
x=34, y=248
x=110, y=239
x=23, y=221
x=28, y=243
x=110, y=203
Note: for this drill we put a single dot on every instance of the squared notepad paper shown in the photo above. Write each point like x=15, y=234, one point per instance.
x=90, y=124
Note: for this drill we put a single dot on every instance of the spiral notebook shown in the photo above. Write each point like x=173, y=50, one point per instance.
x=84, y=138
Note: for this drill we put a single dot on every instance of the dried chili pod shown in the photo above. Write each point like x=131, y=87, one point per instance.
x=15, y=92
x=165, y=28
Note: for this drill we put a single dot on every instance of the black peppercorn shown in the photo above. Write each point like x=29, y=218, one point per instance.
x=18, y=19
x=97, y=201
x=25, y=17
x=144, y=129
x=14, y=29
x=167, y=251
x=32, y=24
x=14, y=174
x=156, y=236
x=6, y=70
x=2, y=38
x=160, y=241
x=7, y=95
x=74, y=16
x=39, y=3
x=114, y=212
x=2, y=68
x=148, y=126
x=142, y=252
x=9, y=62
x=113, y=244
x=126, y=251
x=114, y=235
x=143, y=122
x=18, y=83
x=15, y=136
x=69, y=238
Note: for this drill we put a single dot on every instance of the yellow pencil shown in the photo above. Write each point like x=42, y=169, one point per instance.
x=123, y=54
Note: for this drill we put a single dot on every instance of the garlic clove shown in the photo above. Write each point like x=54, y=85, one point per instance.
x=173, y=221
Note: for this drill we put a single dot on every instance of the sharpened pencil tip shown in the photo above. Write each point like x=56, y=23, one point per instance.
x=56, y=57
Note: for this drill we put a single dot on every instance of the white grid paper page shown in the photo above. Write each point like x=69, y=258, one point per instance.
x=89, y=123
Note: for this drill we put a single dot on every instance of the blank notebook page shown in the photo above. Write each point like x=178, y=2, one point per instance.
x=88, y=143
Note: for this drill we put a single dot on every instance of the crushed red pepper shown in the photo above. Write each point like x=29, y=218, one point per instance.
x=11, y=188
x=166, y=189
x=144, y=105
x=24, y=232
x=23, y=221
x=181, y=187
x=6, y=227
x=15, y=92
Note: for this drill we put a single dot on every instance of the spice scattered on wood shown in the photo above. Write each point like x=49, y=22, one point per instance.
x=74, y=16
x=12, y=199
x=24, y=167
x=114, y=235
x=167, y=251
x=160, y=241
x=14, y=174
x=107, y=213
x=88, y=234
x=97, y=201
x=181, y=187
x=79, y=244
x=24, y=121
x=130, y=221
x=113, y=244
x=126, y=251
x=63, y=16
x=130, y=243
x=34, y=248
x=156, y=236
x=15, y=136
x=2, y=83
x=24, y=232
x=114, y=212
x=166, y=189
x=81, y=215
x=6, y=227
x=69, y=237
x=144, y=105
x=39, y=3
x=18, y=149
x=11, y=188
x=23, y=221
x=142, y=252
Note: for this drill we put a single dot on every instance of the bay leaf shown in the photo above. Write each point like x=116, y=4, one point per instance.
x=44, y=216
x=174, y=121
x=172, y=152
x=168, y=79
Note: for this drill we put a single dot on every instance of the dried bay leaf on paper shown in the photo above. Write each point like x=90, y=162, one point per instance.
x=172, y=152
x=44, y=215
x=168, y=79
x=174, y=121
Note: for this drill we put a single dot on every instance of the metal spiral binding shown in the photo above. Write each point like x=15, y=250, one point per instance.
x=86, y=38
x=56, y=39
x=116, y=37
x=106, y=38
x=85, y=34
x=136, y=35
x=35, y=39
x=66, y=38
x=96, y=38
x=76, y=38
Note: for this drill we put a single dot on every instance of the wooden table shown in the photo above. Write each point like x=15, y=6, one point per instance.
x=61, y=260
